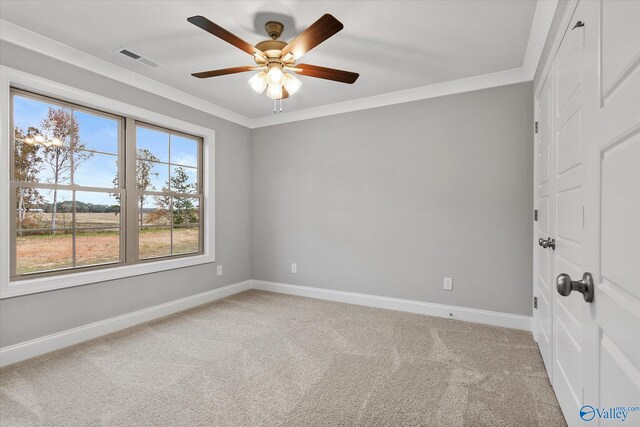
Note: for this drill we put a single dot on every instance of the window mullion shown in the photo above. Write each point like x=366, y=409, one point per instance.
x=131, y=204
x=73, y=227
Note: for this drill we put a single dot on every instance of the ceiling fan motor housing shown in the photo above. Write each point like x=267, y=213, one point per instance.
x=274, y=29
x=272, y=50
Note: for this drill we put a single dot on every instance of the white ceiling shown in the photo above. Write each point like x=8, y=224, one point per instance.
x=394, y=45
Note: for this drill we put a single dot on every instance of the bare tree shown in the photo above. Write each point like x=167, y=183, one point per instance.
x=27, y=165
x=144, y=172
x=144, y=168
x=61, y=125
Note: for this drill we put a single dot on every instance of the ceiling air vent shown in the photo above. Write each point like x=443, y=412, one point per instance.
x=128, y=53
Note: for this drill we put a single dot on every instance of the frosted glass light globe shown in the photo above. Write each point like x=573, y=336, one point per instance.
x=274, y=77
x=274, y=92
x=291, y=83
x=259, y=82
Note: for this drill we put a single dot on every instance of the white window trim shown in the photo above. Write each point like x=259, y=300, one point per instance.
x=10, y=77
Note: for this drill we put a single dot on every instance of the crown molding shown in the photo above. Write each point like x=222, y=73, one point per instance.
x=469, y=84
x=37, y=42
x=545, y=10
x=543, y=16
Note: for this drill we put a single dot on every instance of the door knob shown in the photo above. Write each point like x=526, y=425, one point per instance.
x=551, y=243
x=546, y=243
x=565, y=285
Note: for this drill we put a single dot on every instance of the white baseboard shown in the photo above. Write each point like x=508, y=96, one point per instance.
x=25, y=350
x=36, y=347
x=494, y=318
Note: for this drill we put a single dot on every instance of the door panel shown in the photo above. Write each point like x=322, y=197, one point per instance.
x=543, y=326
x=543, y=165
x=619, y=376
x=615, y=313
x=620, y=196
x=568, y=69
x=569, y=139
x=543, y=216
x=544, y=114
x=569, y=219
x=568, y=349
x=620, y=47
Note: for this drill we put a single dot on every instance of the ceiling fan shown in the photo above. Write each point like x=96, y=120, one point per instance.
x=274, y=57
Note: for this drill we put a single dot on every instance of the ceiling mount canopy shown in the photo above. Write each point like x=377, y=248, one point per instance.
x=276, y=59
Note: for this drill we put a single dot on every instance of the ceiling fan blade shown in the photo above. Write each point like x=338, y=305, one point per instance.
x=317, y=32
x=222, y=72
x=327, y=73
x=218, y=31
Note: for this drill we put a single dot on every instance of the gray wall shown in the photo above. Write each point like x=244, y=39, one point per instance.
x=384, y=201
x=32, y=316
x=388, y=201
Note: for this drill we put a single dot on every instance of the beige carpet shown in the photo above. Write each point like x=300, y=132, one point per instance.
x=260, y=358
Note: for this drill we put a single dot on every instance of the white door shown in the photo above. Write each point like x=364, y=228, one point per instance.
x=543, y=280
x=568, y=175
x=612, y=212
x=595, y=215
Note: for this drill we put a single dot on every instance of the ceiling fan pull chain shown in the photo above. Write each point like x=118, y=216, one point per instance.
x=274, y=106
x=281, y=105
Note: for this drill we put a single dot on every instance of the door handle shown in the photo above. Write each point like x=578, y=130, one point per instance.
x=565, y=285
x=547, y=243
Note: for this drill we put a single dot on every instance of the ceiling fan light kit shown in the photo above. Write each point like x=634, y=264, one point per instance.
x=291, y=83
x=259, y=82
x=275, y=57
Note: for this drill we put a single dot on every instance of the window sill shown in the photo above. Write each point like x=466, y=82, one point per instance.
x=44, y=284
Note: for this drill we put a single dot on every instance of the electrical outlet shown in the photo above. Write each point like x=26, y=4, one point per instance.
x=294, y=268
x=448, y=283
x=219, y=271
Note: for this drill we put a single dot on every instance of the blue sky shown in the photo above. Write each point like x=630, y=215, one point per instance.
x=100, y=133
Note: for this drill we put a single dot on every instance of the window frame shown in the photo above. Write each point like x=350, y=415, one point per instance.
x=71, y=187
x=132, y=153
x=130, y=114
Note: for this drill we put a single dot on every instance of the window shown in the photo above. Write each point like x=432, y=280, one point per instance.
x=168, y=193
x=91, y=194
